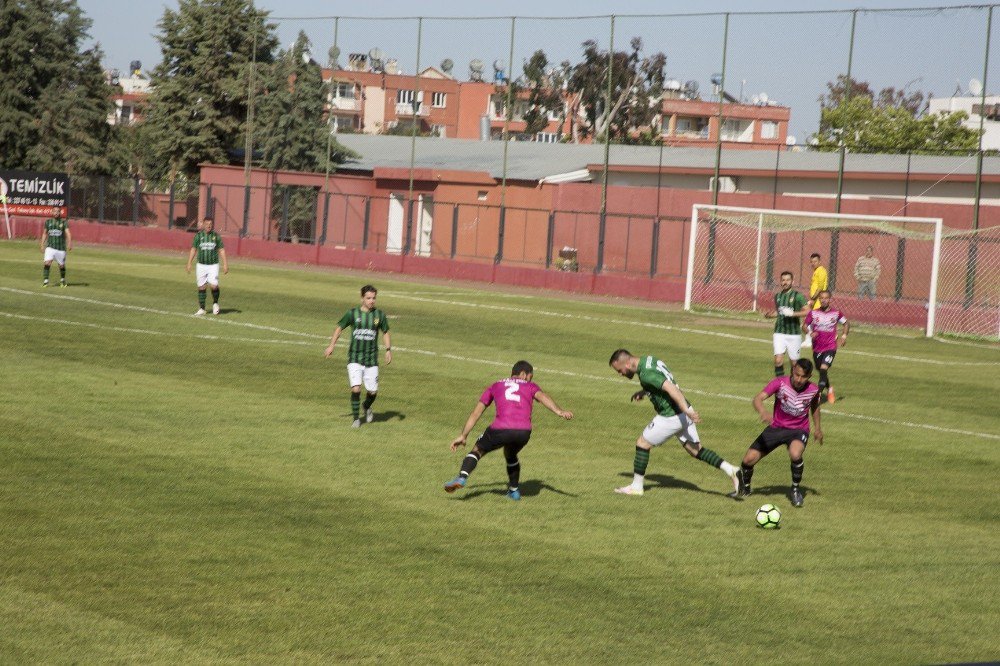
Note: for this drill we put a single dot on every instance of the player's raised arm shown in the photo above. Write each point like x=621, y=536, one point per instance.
x=470, y=423
x=758, y=404
x=677, y=396
x=546, y=400
x=333, y=341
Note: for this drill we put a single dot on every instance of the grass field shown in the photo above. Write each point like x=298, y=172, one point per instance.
x=188, y=489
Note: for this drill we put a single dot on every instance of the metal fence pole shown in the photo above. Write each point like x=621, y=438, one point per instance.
x=549, y=237
x=136, y=200
x=654, y=248
x=454, y=230
x=368, y=216
x=170, y=208
x=100, y=199
x=507, y=116
x=835, y=236
x=283, y=229
x=413, y=137
x=973, y=259
x=498, y=257
x=326, y=217
x=603, y=224
x=710, y=258
x=246, y=212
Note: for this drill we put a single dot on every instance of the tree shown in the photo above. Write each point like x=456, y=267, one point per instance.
x=293, y=131
x=889, y=122
x=198, y=107
x=636, y=89
x=54, y=100
x=544, y=93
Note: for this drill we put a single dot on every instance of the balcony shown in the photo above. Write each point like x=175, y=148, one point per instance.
x=406, y=110
x=345, y=103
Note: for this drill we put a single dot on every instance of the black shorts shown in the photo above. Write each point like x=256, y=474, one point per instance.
x=824, y=358
x=511, y=441
x=772, y=438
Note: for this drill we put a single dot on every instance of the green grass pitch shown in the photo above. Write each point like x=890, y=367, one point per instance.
x=188, y=489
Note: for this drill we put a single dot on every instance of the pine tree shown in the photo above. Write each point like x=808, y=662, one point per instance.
x=198, y=108
x=54, y=100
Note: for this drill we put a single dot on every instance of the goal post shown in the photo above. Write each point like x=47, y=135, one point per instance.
x=882, y=269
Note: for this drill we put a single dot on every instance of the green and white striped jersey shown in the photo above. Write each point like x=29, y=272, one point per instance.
x=56, y=230
x=364, y=334
x=208, y=244
x=788, y=299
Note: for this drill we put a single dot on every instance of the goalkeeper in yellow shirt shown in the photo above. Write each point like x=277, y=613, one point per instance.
x=818, y=284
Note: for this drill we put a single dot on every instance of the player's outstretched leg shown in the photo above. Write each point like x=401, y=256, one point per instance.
x=638, y=473
x=369, y=399
x=712, y=458
x=468, y=465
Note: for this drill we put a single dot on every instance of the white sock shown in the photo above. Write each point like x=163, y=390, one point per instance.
x=637, y=480
x=727, y=469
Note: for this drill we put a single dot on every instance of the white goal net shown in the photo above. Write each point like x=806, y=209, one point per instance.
x=882, y=270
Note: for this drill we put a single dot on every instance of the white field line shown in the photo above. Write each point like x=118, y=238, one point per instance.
x=466, y=359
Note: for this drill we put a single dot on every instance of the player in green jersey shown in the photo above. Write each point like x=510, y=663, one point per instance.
x=208, y=245
x=56, y=242
x=362, y=354
x=675, y=417
x=789, y=305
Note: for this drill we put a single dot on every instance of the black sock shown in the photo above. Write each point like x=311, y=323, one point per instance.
x=779, y=370
x=824, y=378
x=356, y=405
x=62, y=273
x=747, y=474
x=369, y=399
x=201, y=299
x=513, y=472
x=469, y=463
x=45, y=272
x=215, y=295
x=797, y=468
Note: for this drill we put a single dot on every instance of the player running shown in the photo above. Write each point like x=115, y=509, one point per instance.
x=511, y=428
x=795, y=399
x=789, y=305
x=674, y=417
x=821, y=326
x=56, y=242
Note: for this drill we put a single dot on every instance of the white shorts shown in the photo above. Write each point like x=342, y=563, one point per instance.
x=58, y=255
x=356, y=373
x=207, y=274
x=662, y=428
x=790, y=343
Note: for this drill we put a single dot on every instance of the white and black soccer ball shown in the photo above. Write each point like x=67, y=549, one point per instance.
x=769, y=517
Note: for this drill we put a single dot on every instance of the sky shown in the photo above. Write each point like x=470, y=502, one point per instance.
x=786, y=58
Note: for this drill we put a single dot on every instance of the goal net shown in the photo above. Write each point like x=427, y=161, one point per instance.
x=968, y=295
x=882, y=270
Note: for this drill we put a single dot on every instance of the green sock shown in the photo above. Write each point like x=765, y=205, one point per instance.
x=356, y=405
x=641, y=461
x=45, y=272
x=201, y=299
x=215, y=295
x=709, y=456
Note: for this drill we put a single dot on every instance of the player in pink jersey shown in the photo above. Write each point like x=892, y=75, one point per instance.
x=821, y=324
x=795, y=399
x=511, y=428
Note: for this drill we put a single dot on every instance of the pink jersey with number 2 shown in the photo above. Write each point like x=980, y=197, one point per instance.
x=514, y=398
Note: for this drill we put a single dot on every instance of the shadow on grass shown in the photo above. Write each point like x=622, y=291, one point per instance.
x=225, y=311
x=656, y=481
x=531, y=488
x=780, y=491
x=388, y=416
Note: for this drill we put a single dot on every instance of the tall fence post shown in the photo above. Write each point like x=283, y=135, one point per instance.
x=246, y=212
x=454, y=230
x=409, y=227
x=602, y=228
x=900, y=264
x=136, y=200
x=283, y=229
x=549, y=237
x=973, y=257
x=367, y=222
x=500, y=233
x=209, y=202
x=835, y=235
x=326, y=217
x=710, y=257
x=100, y=199
x=170, y=208
x=654, y=247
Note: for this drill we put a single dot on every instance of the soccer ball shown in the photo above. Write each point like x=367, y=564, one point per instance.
x=768, y=517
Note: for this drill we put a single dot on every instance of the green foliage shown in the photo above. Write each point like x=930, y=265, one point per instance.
x=180, y=490
x=889, y=122
x=54, y=100
x=200, y=89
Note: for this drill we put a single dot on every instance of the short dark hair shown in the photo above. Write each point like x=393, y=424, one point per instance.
x=805, y=364
x=788, y=273
x=618, y=355
x=814, y=254
x=365, y=289
x=522, y=366
x=824, y=291
x=208, y=218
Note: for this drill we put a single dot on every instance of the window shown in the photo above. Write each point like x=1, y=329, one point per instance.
x=735, y=129
x=343, y=90
x=341, y=124
x=438, y=100
x=404, y=97
x=547, y=137
x=438, y=131
x=768, y=130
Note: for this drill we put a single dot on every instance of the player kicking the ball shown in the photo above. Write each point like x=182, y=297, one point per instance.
x=510, y=430
x=795, y=399
x=675, y=417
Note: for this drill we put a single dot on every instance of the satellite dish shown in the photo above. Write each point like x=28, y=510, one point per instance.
x=476, y=70
x=447, y=65
x=691, y=88
x=334, y=54
x=376, y=54
x=975, y=86
x=763, y=98
x=672, y=84
x=755, y=100
x=716, y=79
x=791, y=140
